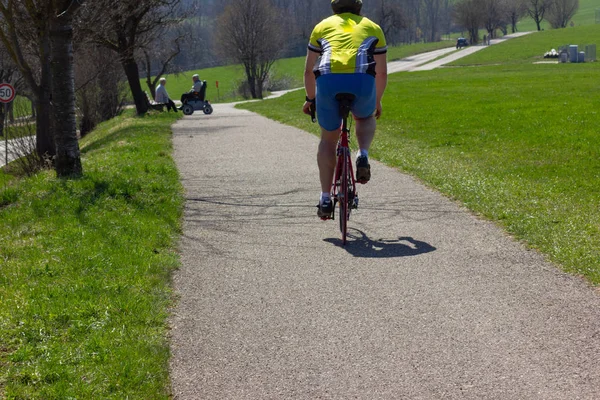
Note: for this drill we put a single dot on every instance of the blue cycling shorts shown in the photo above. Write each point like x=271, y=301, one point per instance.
x=329, y=85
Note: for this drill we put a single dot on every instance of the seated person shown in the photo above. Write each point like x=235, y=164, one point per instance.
x=196, y=88
x=162, y=96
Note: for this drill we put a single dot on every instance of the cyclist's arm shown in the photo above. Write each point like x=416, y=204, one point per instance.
x=309, y=76
x=310, y=84
x=380, y=79
x=381, y=74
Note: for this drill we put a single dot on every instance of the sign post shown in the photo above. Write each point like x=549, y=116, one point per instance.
x=218, y=95
x=7, y=94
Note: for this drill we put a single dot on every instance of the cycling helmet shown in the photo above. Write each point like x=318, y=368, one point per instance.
x=342, y=6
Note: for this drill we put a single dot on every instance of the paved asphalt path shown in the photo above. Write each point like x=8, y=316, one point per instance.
x=426, y=301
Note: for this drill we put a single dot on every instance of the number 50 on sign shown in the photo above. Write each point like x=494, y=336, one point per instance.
x=7, y=93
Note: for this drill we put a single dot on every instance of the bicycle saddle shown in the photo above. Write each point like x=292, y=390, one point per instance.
x=345, y=97
x=345, y=100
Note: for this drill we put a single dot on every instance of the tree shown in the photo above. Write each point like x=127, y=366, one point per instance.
x=432, y=15
x=493, y=14
x=389, y=17
x=98, y=78
x=250, y=33
x=68, y=159
x=25, y=34
x=156, y=63
x=412, y=20
x=561, y=12
x=45, y=26
x=537, y=10
x=467, y=14
x=515, y=11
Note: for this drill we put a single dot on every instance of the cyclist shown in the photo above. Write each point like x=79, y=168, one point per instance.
x=346, y=54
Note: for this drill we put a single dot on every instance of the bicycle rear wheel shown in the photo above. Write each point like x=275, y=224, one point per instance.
x=343, y=195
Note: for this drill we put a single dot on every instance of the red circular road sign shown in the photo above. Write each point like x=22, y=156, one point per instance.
x=7, y=93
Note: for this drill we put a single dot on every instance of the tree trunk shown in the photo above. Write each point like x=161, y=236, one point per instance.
x=87, y=121
x=44, y=139
x=151, y=85
x=44, y=143
x=250, y=77
x=133, y=77
x=259, y=88
x=68, y=158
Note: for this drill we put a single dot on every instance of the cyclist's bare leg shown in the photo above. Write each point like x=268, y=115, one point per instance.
x=326, y=158
x=365, y=132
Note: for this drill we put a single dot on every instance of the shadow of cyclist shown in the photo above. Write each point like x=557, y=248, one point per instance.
x=360, y=245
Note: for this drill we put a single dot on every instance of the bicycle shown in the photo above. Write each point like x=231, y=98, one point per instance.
x=344, y=184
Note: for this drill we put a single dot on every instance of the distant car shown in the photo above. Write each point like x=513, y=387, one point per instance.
x=461, y=42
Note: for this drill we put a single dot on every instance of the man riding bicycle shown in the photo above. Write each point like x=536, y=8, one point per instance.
x=346, y=54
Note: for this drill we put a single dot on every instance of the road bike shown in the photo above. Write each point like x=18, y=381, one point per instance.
x=344, y=184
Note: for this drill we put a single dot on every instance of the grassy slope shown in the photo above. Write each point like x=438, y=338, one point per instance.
x=531, y=48
x=527, y=156
x=85, y=269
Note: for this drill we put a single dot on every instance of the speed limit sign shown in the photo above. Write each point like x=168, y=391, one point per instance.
x=7, y=93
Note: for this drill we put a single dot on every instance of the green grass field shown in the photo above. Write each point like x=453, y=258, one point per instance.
x=516, y=143
x=85, y=267
x=531, y=48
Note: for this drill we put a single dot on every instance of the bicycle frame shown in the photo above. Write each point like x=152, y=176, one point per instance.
x=344, y=183
x=343, y=188
x=344, y=156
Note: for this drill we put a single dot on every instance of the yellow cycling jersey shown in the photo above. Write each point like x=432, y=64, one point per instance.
x=347, y=43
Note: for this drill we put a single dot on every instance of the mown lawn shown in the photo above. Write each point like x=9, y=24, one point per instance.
x=517, y=144
x=85, y=269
